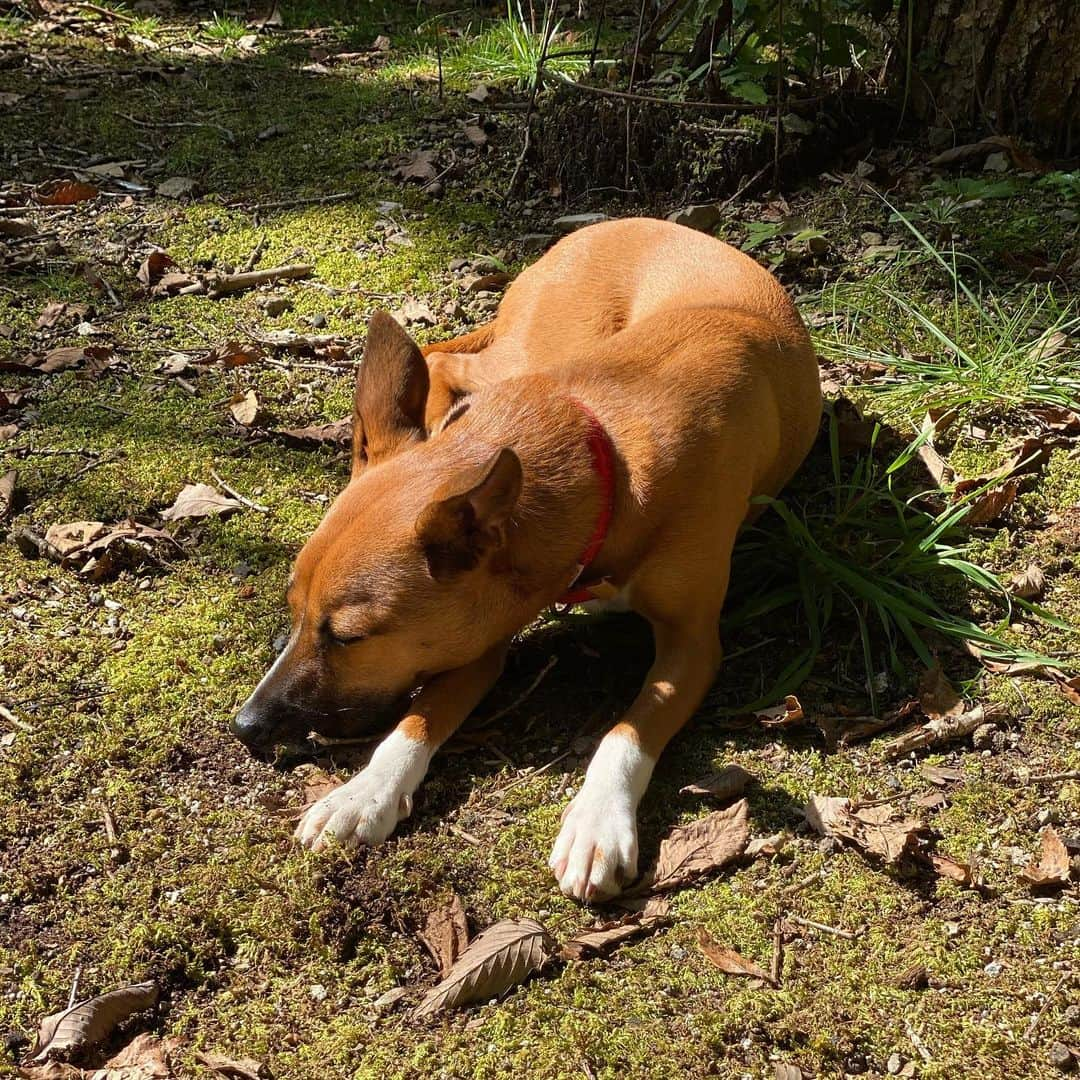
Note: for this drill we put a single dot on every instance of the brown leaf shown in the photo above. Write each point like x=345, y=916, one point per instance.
x=766, y=845
x=416, y=165
x=247, y=410
x=64, y=193
x=947, y=867
x=176, y=187
x=232, y=354
x=689, y=852
x=8, y=431
x=73, y=536
x=318, y=783
x=200, y=500
x=94, y=357
x=146, y=1057
x=1070, y=687
x=781, y=716
x=937, y=696
x=7, y=492
x=88, y=1022
x=604, y=939
x=153, y=267
x=726, y=784
x=729, y=961
x=475, y=134
x=875, y=830
x=446, y=934
x=991, y=504
x=1051, y=868
x=336, y=433
x=1028, y=584
x=57, y=311
x=233, y=1068
x=172, y=283
x=500, y=958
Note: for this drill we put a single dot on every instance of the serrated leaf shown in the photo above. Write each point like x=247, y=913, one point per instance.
x=89, y=1022
x=691, y=851
x=200, y=500
x=500, y=958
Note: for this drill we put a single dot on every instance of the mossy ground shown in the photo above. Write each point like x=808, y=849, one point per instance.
x=122, y=707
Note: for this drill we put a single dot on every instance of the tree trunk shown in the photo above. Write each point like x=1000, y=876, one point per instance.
x=1010, y=66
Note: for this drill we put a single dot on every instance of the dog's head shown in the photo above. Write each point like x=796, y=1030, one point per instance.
x=407, y=574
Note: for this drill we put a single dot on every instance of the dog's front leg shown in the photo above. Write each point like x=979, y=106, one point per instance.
x=368, y=808
x=596, y=851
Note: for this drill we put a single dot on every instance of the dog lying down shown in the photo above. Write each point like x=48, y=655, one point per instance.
x=602, y=437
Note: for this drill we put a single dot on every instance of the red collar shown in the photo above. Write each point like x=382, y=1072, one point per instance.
x=603, y=462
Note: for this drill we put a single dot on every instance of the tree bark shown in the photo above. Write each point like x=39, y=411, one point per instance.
x=1010, y=66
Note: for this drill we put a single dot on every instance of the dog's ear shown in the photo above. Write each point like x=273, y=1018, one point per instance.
x=468, y=517
x=391, y=393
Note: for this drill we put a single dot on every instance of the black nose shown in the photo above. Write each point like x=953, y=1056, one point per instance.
x=251, y=726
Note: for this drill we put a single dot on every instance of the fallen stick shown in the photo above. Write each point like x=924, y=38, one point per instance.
x=823, y=927
x=227, y=284
x=776, y=968
x=944, y=729
x=236, y=495
x=1054, y=777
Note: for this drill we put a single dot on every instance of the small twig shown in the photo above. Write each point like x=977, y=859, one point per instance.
x=776, y=968
x=917, y=1042
x=552, y=661
x=675, y=103
x=228, y=284
x=847, y=935
x=74, y=995
x=533, y=773
x=466, y=836
x=229, y=136
x=110, y=826
x=256, y=255
x=1054, y=777
x=1037, y=1018
x=107, y=12
x=806, y=882
x=236, y=495
x=596, y=38
x=11, y=718
x=285, y=204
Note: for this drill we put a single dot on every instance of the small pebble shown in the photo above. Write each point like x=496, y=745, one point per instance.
x=1061, y=1057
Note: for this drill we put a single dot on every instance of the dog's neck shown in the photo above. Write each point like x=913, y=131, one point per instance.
x=562, y=495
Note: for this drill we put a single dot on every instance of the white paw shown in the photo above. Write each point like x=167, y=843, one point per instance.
x=365, y=811
x=596, y=851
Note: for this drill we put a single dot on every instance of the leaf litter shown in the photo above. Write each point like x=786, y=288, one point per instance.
x=89, y=1022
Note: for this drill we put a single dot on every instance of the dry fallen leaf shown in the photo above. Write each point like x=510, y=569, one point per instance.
x=153, y=267
x=1028, y=584
x=416, y=165
x=604, y=939
x=146, y=1057
x=947, y=867
x=1051, y=868
x=941, y=774
x=767, y=845
x=233, y=1068
x=446, y=934
x=785, y=715
x=475, y=134
x=729, y=961
x=200, y=500
x=416, y=311
x=876, y=830
x=64, y=193
x=689, y=852
x=500, y=958
x=724, y=785
x=98, y=550
x=57, y=311
x=7, y=492
x=337, y=433
x=247, y=410
x=88, y=1022
x=232, y=354
x=937, y=696
x=93, y=357
x=176, y=187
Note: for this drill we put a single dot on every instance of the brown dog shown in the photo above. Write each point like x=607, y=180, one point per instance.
x=639, y=385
